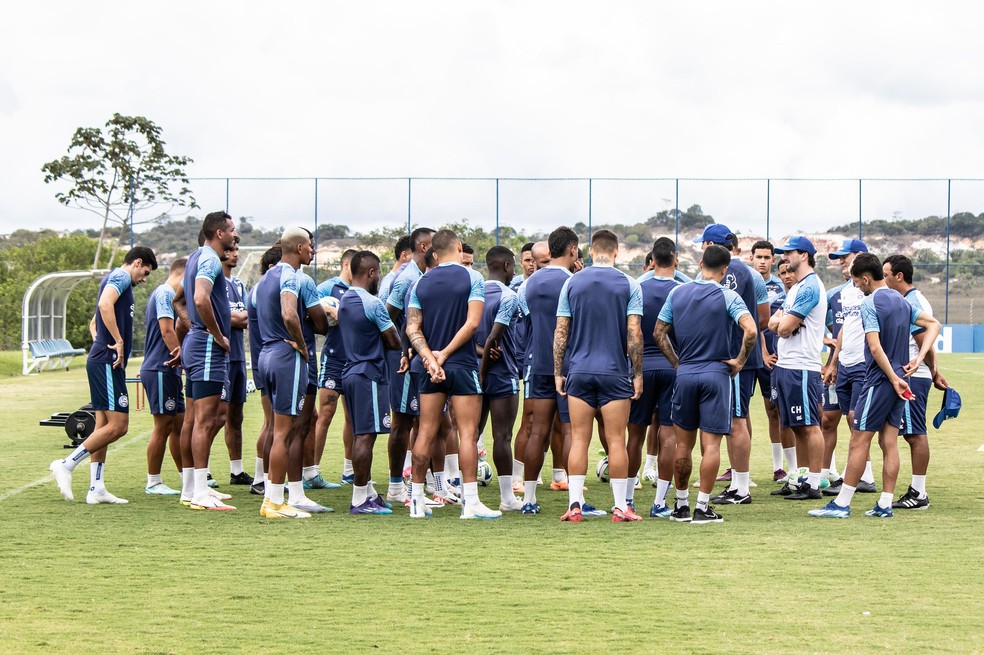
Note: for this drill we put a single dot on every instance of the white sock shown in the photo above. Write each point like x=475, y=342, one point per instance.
x=258, y=473
x=154, y=479
x=518, y=469
x=776, y=456
x=741, y=482
x=575, y=489
x=417, y=490
x=662, y=486
x=530, y=491
x=559, y=475
x=371, y=491
x=201, y=484
x=702, y=500
x=471, y=493
x=451, y=467
x=347, y=469
x=683, y=497
x=813, y=479
x=296, y=490
x=96, y=482
x=618, y=492
x=790, y=454
x=309, y=472
x=846, y=494
x=506, y=494
x=73, y=460
x=236, y=466
x=885, y=500
x=439, y=482
x=650, y=462
x=833, y=465
x=187, y=483
x=408, y=459
x=630, y=489
x=868, y=476
x=276, y=492
x=359, y=495
x=919, y=484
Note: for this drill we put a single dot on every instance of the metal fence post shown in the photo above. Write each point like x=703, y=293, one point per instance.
x=409, y=195
x=227, y=195
x=768, y=207
x=590, y=206
x=860, y=228
x=946, y=302
x=496, y=211
x=315, y=230
x=133, y=191
x=676, y=236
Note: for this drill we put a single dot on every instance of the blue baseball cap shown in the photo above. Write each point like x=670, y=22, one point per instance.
x=950, y=407
x=797, y=243
x=848, y=247
x=716, y=233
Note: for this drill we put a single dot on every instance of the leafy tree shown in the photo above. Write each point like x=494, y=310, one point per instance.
x=125, y=166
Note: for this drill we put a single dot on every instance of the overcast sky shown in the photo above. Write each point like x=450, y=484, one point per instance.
x=509, y=89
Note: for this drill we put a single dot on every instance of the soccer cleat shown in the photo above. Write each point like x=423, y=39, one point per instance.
x=282, y=511
x=831, y=511
x=805, y=492
x=591, y=510
x=638, y=484
x=305, y=504
x=735, y=499
x=573, y=515
x=161, y=489
x=454, y=486
x=418, y=508
x=218, y=495
x=210, y=503
x=723, y=497
x=318, y=482
x=103, y=498
x=397, y=497
x=378, y=501
x=649, y=475
x=211, y=482
x=833, y=488
x=530, y=508
x=660, y=512
x=866, y=488
x=751, y=484
x=681, y=514
x=242, y=478
x=880, y=512
x=558, y=485
x=785, y=490
x=479, y=511
x=185, y=502
x=627, y=515
x=724, y=477
x=369, y=507
x=258, y=488
x=514, y=505
x=708, y=515
x=778, y=475
x=63, y=478
x=518, y=488
x=911, y=500
x=429, y=502
x=348, y=479
x=448, y=498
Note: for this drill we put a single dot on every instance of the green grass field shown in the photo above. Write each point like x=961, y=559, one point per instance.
x=152, y=577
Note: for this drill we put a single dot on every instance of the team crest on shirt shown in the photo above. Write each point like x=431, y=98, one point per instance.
x=330, y=384
x=386, y=421
x=300, y=404
x=169, y=404
x=413, y=404
x=774, y=394
x=730, y=281
x=123, y=400
x=224, y=394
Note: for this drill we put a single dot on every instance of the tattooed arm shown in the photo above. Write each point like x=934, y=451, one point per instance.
x=634, y=349
x=561, y=333
x=415, y=322
x=663, y=341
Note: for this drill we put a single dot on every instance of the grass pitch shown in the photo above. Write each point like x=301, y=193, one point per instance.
x=152, y=577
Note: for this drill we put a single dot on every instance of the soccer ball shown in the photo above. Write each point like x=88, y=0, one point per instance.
x=330, y=301
x=602, y=470
x=484, y=473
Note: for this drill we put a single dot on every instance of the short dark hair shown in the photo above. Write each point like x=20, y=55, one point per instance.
x=604, y=241
x=348, y=255
x=270, y=258
x=429, y=258
x=465, y=248
x=716, y=257
x=649, y=258
x=443, y=240
x=732, y=244
x=664, y=252
x=498, y=256
x=178, y=264
x=201, y=238
x=416, y=234
x=362, y=261
x=782, y=262
x=402, y=245
x=144, y=254
x=235, y=241
x=214, y=222
x=900, y=264
x=811, y=259
x=560, y=240
x=527, y=247
x=867, y=264
x=763, y=245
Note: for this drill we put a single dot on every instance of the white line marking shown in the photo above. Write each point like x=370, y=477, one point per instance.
x=119, y=445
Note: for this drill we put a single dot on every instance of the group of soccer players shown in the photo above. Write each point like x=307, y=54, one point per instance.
x=432, y=352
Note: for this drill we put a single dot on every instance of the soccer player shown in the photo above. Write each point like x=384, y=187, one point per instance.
x=591, y=331
x=106, y=370
x=234, y=395
x=763, y=258
x=330, y=382
x=898, y=276
x=499, y=341
x=888, y=319
x=366, y=331
x=659, y=377
x=444, y=311
x=269, y=259
x=845, y=368
x=402, y=253
x=743, y=281
x=526, y=263
x=205, y=353
x=707, y=363
x=467, y=256
x=283, y=362
x=162, y=380
x=799, y=323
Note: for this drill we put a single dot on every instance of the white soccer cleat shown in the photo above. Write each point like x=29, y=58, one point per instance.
x=447, y=498
x=397, y=497
x=479, y=511
x=160, y=489
x=514, y=505
x=103, y=498
x=419, y=508
x=649, y=475
x=63, y=478
x=218, y=495
x=210, y=503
